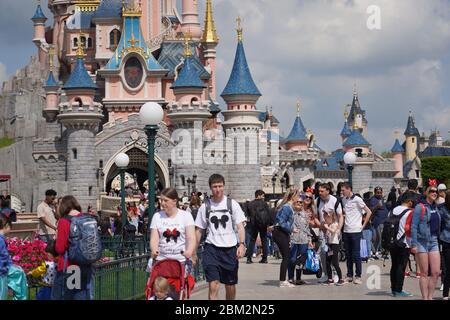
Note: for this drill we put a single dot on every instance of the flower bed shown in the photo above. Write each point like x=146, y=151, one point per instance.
x=27, y=254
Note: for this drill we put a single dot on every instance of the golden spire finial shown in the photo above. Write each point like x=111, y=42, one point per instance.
x=80, y=50
x=187, y=49
x=239, y=28
x=346, y=115
x=298, y=107
x=210, y=33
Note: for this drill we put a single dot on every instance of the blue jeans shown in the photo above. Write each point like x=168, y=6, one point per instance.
x=352, y=244
x=61, y=292
x=368, y=235
x=296, y=250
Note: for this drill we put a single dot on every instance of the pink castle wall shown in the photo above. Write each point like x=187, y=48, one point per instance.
x=398, y=160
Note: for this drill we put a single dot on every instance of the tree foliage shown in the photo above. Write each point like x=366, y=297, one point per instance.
x=436, y=168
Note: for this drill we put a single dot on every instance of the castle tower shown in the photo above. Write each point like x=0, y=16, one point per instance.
x=209, y=41
x=242, y=125
x=346, y=132
x=397, y=151
x=412, y=139
x=51, y=109
x=357, y=116
x=298, y=137
x=81, y=117
x=356, y=142
x=39, y=20
x=191, y=24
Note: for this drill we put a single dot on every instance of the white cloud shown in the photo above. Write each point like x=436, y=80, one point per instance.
x=316, y=50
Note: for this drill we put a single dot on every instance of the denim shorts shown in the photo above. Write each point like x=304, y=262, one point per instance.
x=426, y=247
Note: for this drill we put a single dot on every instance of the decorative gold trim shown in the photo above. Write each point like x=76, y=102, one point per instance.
x=87, y=5
x=187, y=49
x=133, y=8
x=239, y=28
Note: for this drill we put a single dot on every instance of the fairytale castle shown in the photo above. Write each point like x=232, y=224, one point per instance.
x=75, y=107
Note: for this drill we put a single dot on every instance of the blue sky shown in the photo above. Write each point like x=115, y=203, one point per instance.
x=316, y=50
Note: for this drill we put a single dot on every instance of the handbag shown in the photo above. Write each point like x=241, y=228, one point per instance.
x=312, y=261
x=363, y=251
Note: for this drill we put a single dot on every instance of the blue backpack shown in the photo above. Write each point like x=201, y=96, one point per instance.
x=85, y=246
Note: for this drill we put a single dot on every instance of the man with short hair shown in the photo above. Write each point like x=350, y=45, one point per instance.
x=354, y=208
x=327, y=204
x=413, y=186
x=46, y=213
x=222, y=217
x=379, y=216
x=258, y=210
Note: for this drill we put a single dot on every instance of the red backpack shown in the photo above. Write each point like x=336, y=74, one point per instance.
x=408, y=222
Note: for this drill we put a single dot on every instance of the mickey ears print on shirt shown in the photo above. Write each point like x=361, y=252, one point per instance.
x=222, y=221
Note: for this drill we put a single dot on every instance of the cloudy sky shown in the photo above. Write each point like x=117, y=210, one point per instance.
x=316, y=50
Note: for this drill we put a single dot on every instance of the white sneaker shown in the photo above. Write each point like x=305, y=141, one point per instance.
x=442, y=287
x=336, y=279
x=254, y=255
x=357, y=281
x=286, y=284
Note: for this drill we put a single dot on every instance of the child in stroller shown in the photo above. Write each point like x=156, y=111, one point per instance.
x=177, y=275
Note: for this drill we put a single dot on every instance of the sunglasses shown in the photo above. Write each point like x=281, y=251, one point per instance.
x=308, y=197
x=433, y=191
x=299, y=202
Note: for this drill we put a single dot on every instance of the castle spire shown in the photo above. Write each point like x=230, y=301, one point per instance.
x=411, y=129
x=187, y=50
x=298, y=108
x=210, y=33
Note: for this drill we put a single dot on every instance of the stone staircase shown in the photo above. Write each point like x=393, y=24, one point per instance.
x=26, y=226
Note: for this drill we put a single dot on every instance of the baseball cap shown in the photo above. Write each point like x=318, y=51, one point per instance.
x=442, y=187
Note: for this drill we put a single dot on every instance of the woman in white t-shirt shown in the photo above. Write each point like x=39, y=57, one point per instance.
x=172, y=230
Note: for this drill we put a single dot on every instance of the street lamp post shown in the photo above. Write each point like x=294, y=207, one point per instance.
x=151, y=115
x=122, y=160
x=194, y=182
x=350, y=160
x=274, y=180
x=283, y=181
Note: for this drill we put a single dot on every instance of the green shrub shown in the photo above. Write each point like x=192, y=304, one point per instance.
x=436, y=168
x=6, y=142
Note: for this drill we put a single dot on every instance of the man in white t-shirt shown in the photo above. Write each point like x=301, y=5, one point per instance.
x=354, y=208
x=221, y=252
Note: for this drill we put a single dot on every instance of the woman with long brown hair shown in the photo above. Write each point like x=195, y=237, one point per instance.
x=172, y=230
x=282, y=231
x=68, y=207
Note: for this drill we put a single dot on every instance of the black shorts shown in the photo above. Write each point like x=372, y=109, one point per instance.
x=220, y=264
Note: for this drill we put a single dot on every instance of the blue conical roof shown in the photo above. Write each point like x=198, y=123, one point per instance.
x=241, y=81
x=298, y=132
x=39, y=15
x=109, y=9
x=51, y=82
x=79, y=78
x=397, y=148
x=356, y=139
x=411, y=129
x=346, y=132
x=188, y=77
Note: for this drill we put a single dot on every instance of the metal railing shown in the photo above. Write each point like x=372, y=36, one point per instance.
x=116, y=247
x=124, y=278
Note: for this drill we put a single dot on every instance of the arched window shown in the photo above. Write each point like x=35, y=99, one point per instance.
x=89, y=42
x=75, y=43
x=114, y=38
x=83, y=42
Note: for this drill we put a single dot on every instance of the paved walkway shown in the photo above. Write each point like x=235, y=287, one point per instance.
x=260, y=282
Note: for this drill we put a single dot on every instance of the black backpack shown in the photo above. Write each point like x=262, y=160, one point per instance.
x=262, y=215
x=390, y=232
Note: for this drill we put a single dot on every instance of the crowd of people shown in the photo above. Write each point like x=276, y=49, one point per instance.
x=311, y=229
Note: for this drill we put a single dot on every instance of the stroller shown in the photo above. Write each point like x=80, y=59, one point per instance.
x=179, y=278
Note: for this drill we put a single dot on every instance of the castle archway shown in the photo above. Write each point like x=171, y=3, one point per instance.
x=137, y=171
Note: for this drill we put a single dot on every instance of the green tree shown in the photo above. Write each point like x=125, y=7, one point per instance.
x=436, y=168
x=446, y=143
x=387, y=154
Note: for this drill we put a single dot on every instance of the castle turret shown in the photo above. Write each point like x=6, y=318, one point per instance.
x=81, y=117
x=191, y=24
x=39, y=20
x=298, y=137
x=51, y=108
x=357, y=116
x=397, y=151
x=346, y=132
x=412, y=139
x=209, y=41
x=356, y=142
x=241, y=93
